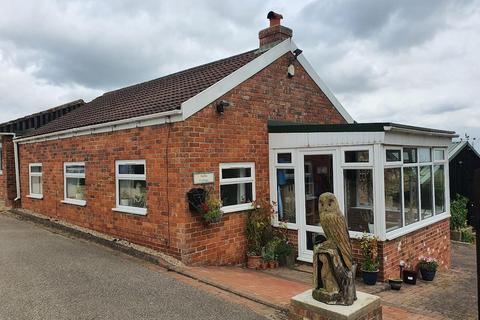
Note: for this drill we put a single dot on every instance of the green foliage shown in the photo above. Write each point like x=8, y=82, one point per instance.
x=428, y=263
x=211, y=209
x=259, y=229
x=369, y=247
x=458, y=211
x=468, y=235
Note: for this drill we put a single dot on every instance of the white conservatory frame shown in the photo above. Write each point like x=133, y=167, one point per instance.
x=336, y=143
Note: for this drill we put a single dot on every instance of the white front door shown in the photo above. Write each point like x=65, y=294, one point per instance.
x=317, y=172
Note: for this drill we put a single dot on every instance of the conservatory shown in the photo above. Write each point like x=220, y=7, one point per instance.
x=390, y=180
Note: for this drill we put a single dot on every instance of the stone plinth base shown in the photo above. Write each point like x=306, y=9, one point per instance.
x=304, y=307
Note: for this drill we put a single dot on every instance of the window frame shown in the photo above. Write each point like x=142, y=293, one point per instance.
x=369, y=163
x=118, y=177
x=436, y=216
x=230, y=181
x=72, y=175
x=34, y=174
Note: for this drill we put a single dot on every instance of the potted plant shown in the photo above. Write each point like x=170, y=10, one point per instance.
x=458, y=219
x=125, y=198
x=409, y=274
x=368, y=245
x=259, y=231
x=395, y=284
x=428, y=267
x=285, y=255
x=268, y=254
x=212, y=212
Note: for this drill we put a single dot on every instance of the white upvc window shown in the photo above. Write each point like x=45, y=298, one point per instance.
x=1, y=158
x=35, y=177
x=131, y=186
x=237, y=186
x=74, y=183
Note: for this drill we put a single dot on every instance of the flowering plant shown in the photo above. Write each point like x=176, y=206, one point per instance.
x=211, y=210
x=369, y=247
x=427, y=263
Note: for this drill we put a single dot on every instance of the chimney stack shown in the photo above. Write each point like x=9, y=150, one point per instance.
x=274, y=34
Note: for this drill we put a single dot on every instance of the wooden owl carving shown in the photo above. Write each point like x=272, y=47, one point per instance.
x=335, y=227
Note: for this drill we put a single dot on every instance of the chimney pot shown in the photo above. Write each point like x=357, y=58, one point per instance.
x=274, y=18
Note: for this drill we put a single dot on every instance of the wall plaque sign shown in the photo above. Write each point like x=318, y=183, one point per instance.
x=203, y=177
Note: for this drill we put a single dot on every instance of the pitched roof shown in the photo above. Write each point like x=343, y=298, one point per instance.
x=28, y=123
x=160, y=95
x=457, y=146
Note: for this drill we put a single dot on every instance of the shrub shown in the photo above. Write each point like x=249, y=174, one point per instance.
x=467, y=235
x=369, y=247
x=259, y=229
x=458, y=211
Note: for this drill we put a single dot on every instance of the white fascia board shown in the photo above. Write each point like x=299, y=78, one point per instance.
x=209, y=95
x=130, y=123
x=322, y=85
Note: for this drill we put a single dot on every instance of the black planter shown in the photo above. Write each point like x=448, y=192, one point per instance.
x=370, y=277
x=196, y=197
x=427, y=275
x=395, y=284
x=409, y=276
x=286, y=261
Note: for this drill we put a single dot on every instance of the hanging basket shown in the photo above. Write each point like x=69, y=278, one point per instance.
x=196, y=197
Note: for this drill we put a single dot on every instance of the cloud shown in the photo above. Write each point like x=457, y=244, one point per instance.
x=412, y=62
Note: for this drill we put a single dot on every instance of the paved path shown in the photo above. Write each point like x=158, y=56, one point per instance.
x=44, y=275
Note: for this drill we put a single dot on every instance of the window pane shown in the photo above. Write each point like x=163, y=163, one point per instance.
x=424, y=155
x=236, y=173
x=36, y=185
x=75, y=188
x=426, y=191
x=75, y=169
x=236, y=194
x=313, y=238
x=286, y=195
x=36, y=169
x=393, y=198
x=439, y=154
x=133, y=193
x=439, y=178
x=356, y=156
x=393, y=155
x=409, y=155
x=359, y=199
x=410, y=194
x=131, y=169
x=284, y=157
x=318, y=179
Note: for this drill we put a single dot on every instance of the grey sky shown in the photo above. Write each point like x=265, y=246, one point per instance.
x=413, y=62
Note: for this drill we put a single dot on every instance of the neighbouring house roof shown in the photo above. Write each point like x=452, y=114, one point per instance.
x=457, y=146
x=24, y=125
x=160, y=95
x=289, y=127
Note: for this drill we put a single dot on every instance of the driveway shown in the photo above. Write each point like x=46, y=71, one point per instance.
x=45, y=275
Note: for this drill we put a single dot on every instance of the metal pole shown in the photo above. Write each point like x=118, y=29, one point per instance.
x=476, y=212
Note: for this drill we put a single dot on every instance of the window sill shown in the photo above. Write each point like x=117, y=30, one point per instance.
x=137, y=211
x=237, y=208
x=81, y=203
x=35, y=196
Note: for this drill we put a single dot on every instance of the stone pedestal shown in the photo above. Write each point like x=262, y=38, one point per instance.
x=366, y=307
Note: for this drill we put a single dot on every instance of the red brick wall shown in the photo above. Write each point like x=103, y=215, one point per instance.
x=433, y=240
x=198, y=144
x=7, y=178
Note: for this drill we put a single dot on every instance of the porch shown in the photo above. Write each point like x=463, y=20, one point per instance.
x=391, y=181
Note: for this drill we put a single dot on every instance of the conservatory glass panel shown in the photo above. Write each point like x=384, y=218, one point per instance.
x=359, y=199
x=410, y=194
x=286, y=195
x=393, y=198
x=439, y=178
x=426, y=190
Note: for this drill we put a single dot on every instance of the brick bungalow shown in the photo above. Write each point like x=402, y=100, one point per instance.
x=261, y=124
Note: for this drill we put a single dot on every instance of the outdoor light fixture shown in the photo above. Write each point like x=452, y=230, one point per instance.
x=291, y=67
x=221, y=106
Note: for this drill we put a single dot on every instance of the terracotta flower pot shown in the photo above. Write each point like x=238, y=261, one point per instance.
x=272, y=264
x=254, y=262
x=264, y=265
